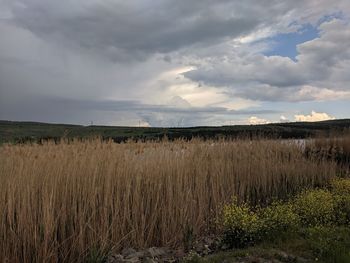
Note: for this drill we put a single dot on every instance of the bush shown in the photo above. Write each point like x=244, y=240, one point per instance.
x=341, y=192
x=278, y=218
x=315, y=207
x=341, y=186
x=241, y=225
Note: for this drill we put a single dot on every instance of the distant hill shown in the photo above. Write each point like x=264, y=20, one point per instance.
x=14, y=131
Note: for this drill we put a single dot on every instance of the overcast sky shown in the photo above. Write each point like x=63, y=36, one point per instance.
x=174, y=63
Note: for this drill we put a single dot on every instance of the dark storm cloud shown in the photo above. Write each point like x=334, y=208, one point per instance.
x=117, y=28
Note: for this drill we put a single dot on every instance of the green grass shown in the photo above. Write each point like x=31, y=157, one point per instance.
x=322, y=244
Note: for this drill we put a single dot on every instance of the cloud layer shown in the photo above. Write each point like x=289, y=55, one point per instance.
x=319, y=72
x=167, y=64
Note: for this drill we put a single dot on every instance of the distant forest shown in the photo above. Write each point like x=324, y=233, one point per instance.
x=20, y=132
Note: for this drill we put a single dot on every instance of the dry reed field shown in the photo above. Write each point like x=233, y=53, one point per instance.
x=333, y=147
x=60, y=202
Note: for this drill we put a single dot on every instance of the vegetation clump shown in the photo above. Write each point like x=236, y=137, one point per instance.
x=315, y=207
x=241, y=225
x=277, y=219
x=341, y=192
x=311, y=214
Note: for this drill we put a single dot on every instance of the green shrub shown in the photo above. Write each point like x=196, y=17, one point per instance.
x=315, y=207
x=241, y=225
x=278, y=218
x=341, y=192
x=341, y=186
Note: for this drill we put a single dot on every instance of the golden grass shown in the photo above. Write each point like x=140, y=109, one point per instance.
x=58, y=202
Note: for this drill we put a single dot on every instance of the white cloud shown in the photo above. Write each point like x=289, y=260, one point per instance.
x=255, y=120
x=320, y=72
x=283, y=118
x=314, y=116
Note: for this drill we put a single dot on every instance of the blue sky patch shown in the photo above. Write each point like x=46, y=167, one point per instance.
x=338, y=15
x=285, y=45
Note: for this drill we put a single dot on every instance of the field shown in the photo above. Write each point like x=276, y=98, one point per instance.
x=60, y=201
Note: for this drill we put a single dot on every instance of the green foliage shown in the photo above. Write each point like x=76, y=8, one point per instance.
x=278, y=218
x=340, y=186
x=341, y=192
x=329, y=243
x=245, y=227
x=241, y=225
x=315, y=207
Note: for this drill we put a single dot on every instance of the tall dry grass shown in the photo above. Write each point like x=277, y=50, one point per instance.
x=335, y=147
x=60, y=202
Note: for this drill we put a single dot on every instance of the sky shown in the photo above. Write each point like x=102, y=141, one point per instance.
x=174, y=63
